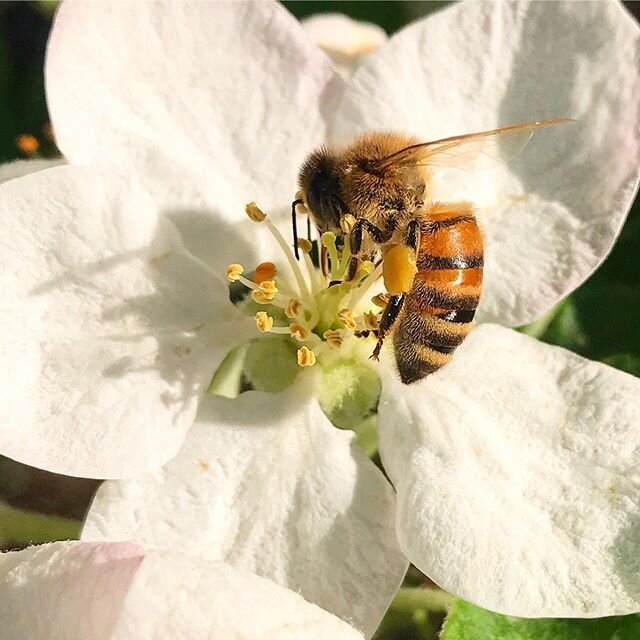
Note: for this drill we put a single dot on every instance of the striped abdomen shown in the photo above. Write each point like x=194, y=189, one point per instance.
x=438, y=310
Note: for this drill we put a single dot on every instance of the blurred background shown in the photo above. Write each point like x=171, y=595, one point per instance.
x=601, y=320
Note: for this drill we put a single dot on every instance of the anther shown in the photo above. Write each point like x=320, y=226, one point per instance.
x=333, y=337
x=260, y=297
x=268, y=287
x=264, y=271
x=301, y=208
x=264, y=322
x=306, y=357
x=255, y=212
x=234, y=271
x=365, y=269
x=47, y=131
x=293, y=308
x=346, y=318
x=371, y=320
x=347, y=222
x=304, y=245
x=380, y=300
x=265, y=292
x=299, y=332
x=27, y=143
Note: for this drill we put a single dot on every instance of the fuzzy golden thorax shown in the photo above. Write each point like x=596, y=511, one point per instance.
x=349, y=181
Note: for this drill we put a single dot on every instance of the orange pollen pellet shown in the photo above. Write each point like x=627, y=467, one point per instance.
x=27, y=143
x=264, y=271
x=306, y=357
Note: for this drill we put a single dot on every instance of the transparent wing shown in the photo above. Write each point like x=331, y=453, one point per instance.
x=484, y=149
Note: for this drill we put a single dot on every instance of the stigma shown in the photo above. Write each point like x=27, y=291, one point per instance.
x=322, y=306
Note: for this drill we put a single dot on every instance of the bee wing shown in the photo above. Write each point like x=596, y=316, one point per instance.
x=493, y=147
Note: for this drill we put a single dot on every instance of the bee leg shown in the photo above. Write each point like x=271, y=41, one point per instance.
x=389, y=316
x=324, y=261
x=294, y=226
x=378, y=235
x=354, y=263
x=413, y=235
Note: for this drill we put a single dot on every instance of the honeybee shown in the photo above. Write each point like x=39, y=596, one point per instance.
x=432, y=251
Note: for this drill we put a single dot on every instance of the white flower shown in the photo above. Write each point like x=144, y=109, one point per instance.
x=516, y=466
x=117, y=591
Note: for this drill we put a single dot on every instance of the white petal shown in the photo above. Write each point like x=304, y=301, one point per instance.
x=19, y=168
x=265, y=483
x=517, y=469
x=219, y=602
x=65, y=590
x=220, y=110
x=553, y=214
x=110, y=329
x=112, y=591
x=344, y=40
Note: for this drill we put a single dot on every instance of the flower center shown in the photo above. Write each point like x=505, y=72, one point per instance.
x=326, y=307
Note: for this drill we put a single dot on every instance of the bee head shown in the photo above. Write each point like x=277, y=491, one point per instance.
x=319, y=180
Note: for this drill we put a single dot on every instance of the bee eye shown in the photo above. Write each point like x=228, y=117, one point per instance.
x=320, y=181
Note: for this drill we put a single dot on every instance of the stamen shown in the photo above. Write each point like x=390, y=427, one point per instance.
x=265, y=292
x=346, y=257
x=257, y=215
x=299, y=332
x=47, y=132
x=260, y=297
x=255, y=212
x=334, y=337
x=301, y=208
x=269, y=287
x=346, y=318
x=27, y=143
x=380, y=300
x=234, y=272
x=306, y=357
x=264, y=322
x=264, y=271
x=304, y=245
x=328, y=239
x=347, y=222
x=293, y=309
x=371, y=320
x=365, y=286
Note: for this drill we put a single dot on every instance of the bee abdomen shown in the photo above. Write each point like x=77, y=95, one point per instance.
x=424, y=343
x=438, y=310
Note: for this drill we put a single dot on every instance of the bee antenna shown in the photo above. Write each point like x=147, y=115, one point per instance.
x=294, y=226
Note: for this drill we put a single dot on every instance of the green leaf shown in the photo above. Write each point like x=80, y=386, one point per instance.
x=468, y=622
